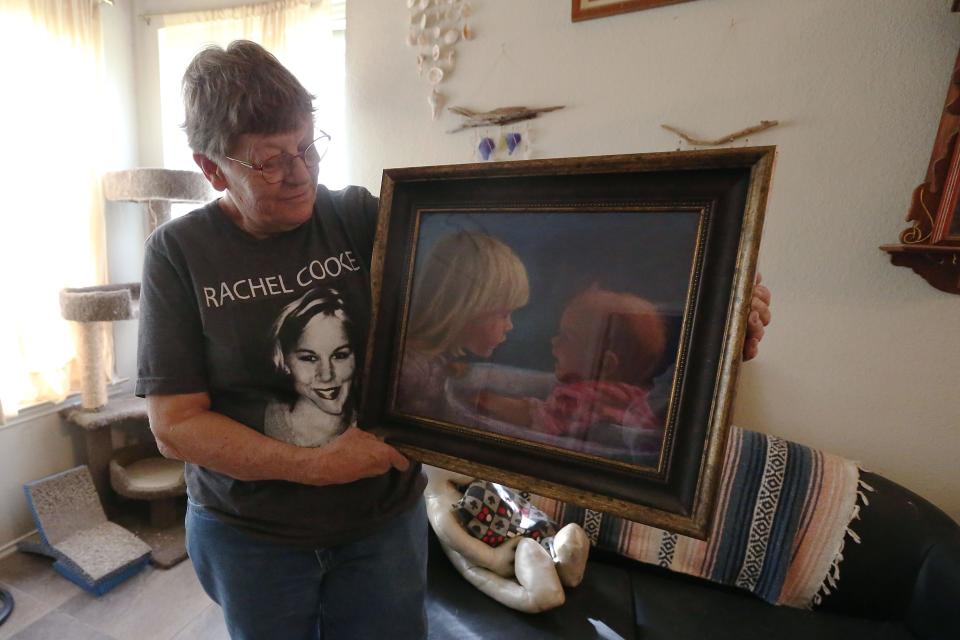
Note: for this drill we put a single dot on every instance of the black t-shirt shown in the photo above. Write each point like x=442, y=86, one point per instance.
x=274, y=331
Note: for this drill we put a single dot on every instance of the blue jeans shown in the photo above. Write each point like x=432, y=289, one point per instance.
x=372, y=588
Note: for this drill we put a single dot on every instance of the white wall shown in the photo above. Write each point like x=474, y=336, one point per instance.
x=34, y=448
x=861, y=358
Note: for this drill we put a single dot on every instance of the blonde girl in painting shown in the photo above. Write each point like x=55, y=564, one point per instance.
x=463, y=298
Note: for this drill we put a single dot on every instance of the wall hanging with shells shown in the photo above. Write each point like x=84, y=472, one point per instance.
x=436, y=26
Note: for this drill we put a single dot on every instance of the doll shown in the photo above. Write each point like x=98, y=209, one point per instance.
x=520, y=573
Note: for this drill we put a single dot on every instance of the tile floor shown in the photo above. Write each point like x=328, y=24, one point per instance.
x=155, y=604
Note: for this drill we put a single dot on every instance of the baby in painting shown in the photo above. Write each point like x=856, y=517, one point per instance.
x=607, y=351
x=463, y=298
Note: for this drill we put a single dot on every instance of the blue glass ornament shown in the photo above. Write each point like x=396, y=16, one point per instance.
x=513, y=141
x=486, y=147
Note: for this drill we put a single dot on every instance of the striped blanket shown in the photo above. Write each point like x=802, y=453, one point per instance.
x=783, y=514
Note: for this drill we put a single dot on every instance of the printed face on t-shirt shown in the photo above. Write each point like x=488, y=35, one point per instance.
x=322, y=363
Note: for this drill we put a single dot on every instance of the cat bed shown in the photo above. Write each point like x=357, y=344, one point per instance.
x=139, y=472
x=90, y=551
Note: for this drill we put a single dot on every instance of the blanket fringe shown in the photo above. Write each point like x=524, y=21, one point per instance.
x=833, y=574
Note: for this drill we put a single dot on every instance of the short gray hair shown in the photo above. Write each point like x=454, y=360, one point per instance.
x=237, y=90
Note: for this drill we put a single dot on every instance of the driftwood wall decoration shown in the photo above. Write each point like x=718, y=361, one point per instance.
x=497, y=117
x=589, y=9
x=743, y=133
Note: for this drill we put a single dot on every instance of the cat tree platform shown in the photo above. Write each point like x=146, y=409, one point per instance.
x=91, y=308
x=139, y=473
x=157, y=188
x=115, y=413
x=123, y=412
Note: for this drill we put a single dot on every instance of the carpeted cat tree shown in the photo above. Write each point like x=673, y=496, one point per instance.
x=136, y=472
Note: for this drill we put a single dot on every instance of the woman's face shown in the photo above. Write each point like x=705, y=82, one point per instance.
x=486, y=332
x=322, y=363
x=267, y=209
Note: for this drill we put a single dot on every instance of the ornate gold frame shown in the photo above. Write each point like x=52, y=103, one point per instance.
x=679, y=497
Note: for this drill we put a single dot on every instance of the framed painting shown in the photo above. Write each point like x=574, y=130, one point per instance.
x=589, y=9
x=569, y=327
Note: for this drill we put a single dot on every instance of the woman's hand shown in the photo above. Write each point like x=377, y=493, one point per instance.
x=758, y=319
x=351, y=456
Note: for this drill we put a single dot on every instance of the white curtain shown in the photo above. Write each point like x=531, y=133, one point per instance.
x=307, y=37
x=51, y=216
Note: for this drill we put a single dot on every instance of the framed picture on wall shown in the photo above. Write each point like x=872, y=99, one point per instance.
x=931, y=245
x=589, y=9
x=569, y=327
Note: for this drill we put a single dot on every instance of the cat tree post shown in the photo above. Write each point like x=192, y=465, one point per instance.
x=93, y=376
x=92, y=308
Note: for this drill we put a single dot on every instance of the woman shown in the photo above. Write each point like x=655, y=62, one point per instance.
x=314, y=337
x=324, y=530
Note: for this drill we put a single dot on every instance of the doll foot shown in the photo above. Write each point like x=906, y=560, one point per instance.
x=572, y=546
x=538, y=575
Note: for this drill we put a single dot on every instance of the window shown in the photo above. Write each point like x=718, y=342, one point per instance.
x=51, y=226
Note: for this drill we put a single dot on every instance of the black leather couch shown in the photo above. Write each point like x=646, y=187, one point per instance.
x=902, y=581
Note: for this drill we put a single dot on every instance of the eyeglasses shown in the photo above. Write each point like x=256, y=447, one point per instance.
x=275, y=168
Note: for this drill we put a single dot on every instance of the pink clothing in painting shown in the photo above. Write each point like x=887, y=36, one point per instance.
x=572, y=409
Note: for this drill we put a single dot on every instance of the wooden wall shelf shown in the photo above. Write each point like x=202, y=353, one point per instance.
x=937, y=264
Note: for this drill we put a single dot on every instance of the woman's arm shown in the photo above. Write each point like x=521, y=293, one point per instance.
x=186, y=429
